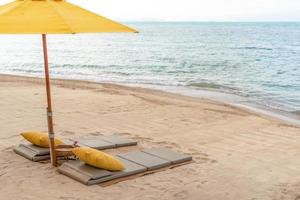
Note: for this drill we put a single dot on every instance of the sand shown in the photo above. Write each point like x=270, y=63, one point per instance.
x=238, y=154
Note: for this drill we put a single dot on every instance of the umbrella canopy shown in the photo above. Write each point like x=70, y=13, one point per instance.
x=52, y=17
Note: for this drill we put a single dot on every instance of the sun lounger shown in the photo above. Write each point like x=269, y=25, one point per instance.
x=168, y=154
x=32, y=152
x=118, y=140
x=149, y=161
x=136, y=163
x=36, y=154
x=90, y=175
x=95, y=143
x=106, y=142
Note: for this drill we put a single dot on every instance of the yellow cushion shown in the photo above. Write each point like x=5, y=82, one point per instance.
x=98, y=159
x=40, y=139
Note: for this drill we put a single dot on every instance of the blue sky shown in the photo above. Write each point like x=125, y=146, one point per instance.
x=194, y=10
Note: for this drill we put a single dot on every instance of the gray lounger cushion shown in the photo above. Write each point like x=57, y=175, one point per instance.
x=32, y=152
x=102, y=142
x=40, y=151
x=35, y=153
x=168, y=154
x=89, y=175
x=118, y=140
x=96, y=143
x=145, y=159
x=135, y=163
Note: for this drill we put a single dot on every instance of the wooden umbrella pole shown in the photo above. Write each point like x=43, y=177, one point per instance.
x=49, y=108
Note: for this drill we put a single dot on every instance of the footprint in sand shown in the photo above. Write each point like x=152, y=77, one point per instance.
x=181, y=195
x=68, y=198
x=95, y=133
x=66, y=133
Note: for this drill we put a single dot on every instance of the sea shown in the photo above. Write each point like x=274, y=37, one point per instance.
x=254, y=64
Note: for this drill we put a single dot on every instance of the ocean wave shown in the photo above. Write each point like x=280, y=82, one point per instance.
x=297, y=112
x=78, y=66
x=254, y=48
x=31, y=71
x=206, y=85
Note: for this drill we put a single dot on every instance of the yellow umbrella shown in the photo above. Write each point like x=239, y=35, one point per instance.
x=52, y=17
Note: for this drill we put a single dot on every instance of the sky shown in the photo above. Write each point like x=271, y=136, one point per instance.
x=194, y=10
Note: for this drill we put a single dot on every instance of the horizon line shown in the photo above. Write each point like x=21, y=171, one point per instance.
x=211, y=21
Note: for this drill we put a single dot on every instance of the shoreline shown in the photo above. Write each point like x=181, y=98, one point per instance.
x=201, y=95
x=230, y=99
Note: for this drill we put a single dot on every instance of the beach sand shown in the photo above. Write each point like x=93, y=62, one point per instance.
x=238, y=154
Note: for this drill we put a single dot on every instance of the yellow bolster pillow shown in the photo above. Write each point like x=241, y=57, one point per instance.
x=40, y=139
x=98, y=159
